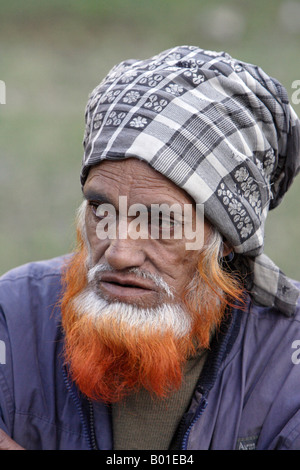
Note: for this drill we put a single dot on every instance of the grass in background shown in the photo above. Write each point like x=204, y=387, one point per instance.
x=51, y=56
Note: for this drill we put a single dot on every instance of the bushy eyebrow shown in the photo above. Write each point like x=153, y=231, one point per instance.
x=92, y=195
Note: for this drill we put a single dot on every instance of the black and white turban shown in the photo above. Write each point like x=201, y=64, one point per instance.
x=220, y=129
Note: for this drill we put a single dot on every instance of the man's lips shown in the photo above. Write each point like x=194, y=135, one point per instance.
x=126, y=285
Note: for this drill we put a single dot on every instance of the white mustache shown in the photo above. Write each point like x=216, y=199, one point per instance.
x=94, y=273
x=165, y=317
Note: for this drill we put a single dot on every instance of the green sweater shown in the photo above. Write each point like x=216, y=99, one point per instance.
x=141, y=422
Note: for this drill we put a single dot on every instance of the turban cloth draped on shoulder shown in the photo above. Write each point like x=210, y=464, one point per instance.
x=219, y=128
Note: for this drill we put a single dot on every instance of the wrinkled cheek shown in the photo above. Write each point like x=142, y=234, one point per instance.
x=178, y=268
x=96, y=247
x=188, y=271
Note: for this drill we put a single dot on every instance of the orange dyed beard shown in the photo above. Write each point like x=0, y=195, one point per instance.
x=109, y=358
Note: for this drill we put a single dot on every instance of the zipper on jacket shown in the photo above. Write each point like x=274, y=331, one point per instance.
x=85, y=426
x=220, y=348
x=201, y=408
x=92, y=426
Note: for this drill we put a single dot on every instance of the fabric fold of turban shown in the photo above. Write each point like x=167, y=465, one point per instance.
x=219, y=128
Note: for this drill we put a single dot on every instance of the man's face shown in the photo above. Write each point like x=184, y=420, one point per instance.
x=165, y=258
x=135, y=309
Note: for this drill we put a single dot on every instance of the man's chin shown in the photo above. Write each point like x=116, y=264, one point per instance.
x=156, y=318
x=114, y=348
x=110, y=357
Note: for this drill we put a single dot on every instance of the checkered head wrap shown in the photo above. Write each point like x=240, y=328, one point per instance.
x=219, y=128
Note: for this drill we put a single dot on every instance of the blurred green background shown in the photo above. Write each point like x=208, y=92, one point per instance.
x=54, y=52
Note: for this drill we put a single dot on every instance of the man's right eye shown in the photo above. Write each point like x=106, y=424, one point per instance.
x=94, y=207
x=102, y=210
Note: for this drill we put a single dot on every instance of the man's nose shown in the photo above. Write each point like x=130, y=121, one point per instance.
x=125, y=253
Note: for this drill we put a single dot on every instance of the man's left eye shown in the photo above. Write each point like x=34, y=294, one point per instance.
x=166, y=223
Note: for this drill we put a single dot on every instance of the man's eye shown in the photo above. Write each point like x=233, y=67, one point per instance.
x=163, y=223
x=94, y=207
x=166, y=223
x=102, y=211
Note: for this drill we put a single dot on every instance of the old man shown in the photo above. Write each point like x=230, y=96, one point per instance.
x=168, y=328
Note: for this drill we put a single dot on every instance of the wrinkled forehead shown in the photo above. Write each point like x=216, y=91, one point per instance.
x=136, y=179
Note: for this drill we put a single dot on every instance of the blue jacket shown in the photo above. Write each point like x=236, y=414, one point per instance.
x=247, y=397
